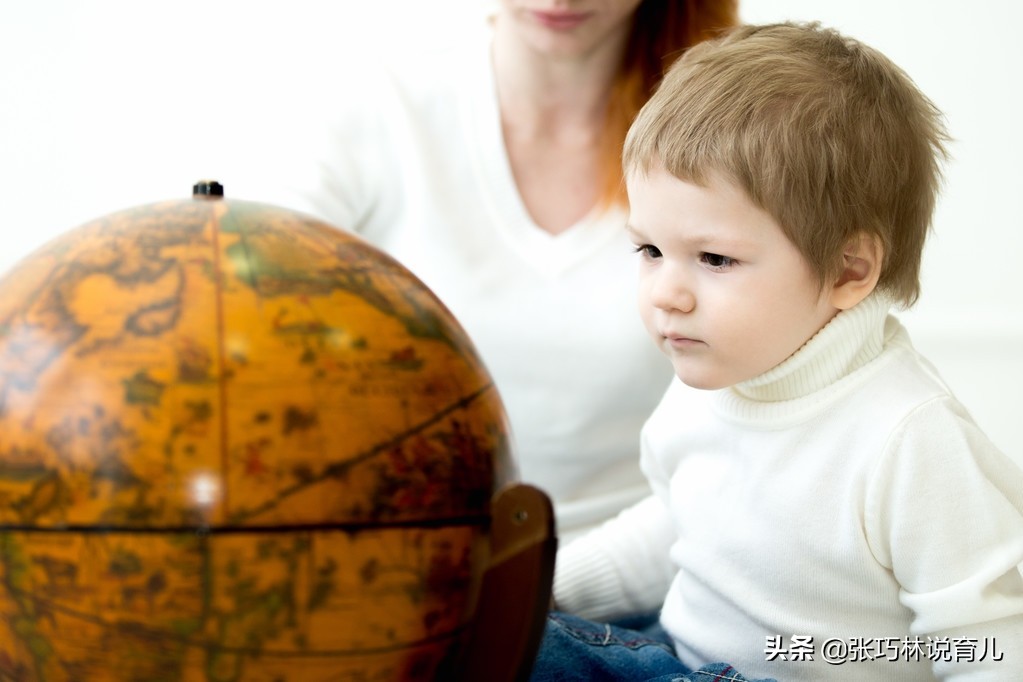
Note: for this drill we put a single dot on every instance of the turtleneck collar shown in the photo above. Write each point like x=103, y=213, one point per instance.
x=848, y=342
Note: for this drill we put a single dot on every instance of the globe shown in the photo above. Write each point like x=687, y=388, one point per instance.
x=239, y=443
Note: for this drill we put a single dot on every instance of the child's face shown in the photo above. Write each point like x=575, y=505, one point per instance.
x=723, y=292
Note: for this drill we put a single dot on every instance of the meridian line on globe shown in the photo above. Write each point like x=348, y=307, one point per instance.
x=218, y=275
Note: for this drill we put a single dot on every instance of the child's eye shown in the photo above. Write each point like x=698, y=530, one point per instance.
x=717, y=261
x=648, y=251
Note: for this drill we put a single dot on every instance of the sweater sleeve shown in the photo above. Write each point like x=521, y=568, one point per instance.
x=621, y=568
x=945, y=515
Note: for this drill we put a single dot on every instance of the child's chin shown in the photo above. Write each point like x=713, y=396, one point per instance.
x=700, y=381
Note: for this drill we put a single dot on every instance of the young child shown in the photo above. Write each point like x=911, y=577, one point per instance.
x=823, y=508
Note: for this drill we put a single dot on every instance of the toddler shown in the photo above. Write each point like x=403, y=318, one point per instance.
x=824, y=508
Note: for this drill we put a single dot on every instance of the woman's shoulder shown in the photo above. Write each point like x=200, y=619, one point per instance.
x=433, y=69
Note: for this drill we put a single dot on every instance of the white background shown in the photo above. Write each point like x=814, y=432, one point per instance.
x=106, y=104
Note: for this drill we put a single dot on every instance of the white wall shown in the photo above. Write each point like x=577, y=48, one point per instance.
x=106, y=104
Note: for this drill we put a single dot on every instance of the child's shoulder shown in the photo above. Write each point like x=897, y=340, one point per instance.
x=903, y=374
x=928, y=417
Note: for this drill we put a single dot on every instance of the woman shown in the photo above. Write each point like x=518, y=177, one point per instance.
x=490, y=166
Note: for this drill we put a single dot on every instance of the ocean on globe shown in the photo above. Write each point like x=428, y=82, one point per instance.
x=237, y=443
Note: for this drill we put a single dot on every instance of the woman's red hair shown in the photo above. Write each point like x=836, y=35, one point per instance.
x=661, y=32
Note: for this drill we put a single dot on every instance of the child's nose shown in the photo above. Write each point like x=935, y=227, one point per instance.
x=670, y=290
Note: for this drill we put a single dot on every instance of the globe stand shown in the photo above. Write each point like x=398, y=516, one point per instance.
x=516, y=591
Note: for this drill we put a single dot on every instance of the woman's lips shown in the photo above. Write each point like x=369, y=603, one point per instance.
x=560, y=21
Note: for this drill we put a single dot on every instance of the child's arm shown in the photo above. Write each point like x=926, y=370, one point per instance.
x=945, y=515
x=621, y=568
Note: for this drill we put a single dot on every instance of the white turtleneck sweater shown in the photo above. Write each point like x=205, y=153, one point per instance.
x=843, y=495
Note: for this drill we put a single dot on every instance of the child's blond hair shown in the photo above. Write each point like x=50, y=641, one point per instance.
x=824, y=133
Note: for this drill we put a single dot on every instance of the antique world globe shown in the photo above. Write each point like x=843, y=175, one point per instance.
x=237, y=443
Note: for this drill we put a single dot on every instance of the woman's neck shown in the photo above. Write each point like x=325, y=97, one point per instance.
x=551, y=94
x=552, y=110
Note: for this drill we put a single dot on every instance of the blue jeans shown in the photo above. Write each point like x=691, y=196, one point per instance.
x=578, y=650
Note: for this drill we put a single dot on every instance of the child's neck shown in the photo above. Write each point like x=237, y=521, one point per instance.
x=848, y=342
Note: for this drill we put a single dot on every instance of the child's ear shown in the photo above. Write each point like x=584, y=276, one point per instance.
x=862, y=258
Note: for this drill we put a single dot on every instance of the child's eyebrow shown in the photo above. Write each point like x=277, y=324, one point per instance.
x=633, y=230
x=698, y=242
